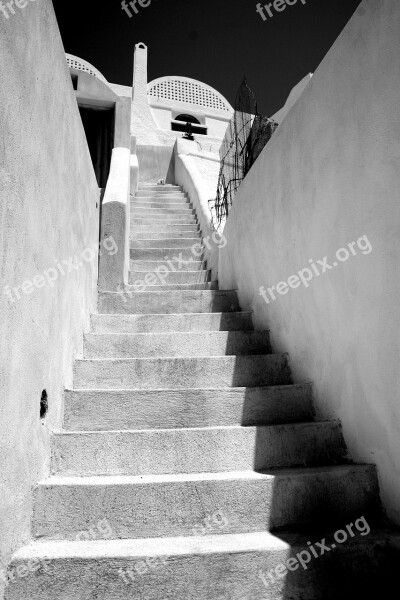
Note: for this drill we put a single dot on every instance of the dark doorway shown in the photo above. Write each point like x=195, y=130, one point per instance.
x=99, y=128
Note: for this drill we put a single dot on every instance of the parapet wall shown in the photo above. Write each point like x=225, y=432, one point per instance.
x=49, y=215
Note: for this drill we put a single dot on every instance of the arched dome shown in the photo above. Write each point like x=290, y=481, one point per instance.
x=74, y=62
x=188, y=91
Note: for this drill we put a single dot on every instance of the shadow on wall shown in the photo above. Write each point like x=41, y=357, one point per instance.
x=325, y=533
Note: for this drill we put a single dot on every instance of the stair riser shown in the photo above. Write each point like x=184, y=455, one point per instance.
x=166, y=323
x=177, y=256
x=142, y=204
x=169, y=409
x=175, y=243
x=170, y=195
x=149, y=220
x=168, y=186
x=163, y=229
x=164, y=373
x=139, y=286
x=240, y=505
x=163, y=200
x=171, y=302
x=150, y=213
x=154, y=345
x=168, y=277
x=160, y=190
x=357, y=569
x=161, y=452
x=149, y=266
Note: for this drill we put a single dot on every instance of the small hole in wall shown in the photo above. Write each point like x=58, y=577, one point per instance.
x=44, y=404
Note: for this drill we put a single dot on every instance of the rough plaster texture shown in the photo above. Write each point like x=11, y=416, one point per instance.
x=251, y=501
x=137, y=409
x=48, y=213
x=151, y=345
x=202, y=450
x=134, y=163
x=329, y=176
x=170, y=373
x=209, y=566
x=156, y=162
x=115, y=222
x=187, y=301
x=292, y=98
x=197, y=172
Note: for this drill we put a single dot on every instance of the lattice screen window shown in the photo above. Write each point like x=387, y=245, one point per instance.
x=189, y=92
x=75, y=63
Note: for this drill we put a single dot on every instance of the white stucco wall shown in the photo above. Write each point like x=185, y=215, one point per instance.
x=48, y=213
x=197, y=172
x=162, y=116
x=217, y=127
x=329, y=176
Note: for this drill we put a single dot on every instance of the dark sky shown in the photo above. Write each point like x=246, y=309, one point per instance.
x=214, y=41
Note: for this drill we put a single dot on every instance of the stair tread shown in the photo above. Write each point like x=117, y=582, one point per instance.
x=191, y=389
x=195, y=545
x=193, y=430
x=184, y=358
x=141, y=315
x=165, y=334
x=218, y=292
x=115, y=480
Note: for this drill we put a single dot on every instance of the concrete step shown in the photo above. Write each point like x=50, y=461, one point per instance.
x=164, y=199
x=151, y=266
x=184, y=241
x=139, y=286
x=208, y=450
x=211, y=567
x=166, y=276
x=239, y=321
x=163, y=229
x=160, y=205
x=154, y=184
x=240, y=502
x=177, y=256
x=192, y=344
x=168, y=302
x=185, y=211
x=156, y=188
x=160, y=190
x=167, y=219
x=170, y=194
x=99, y=410
x=146, y=212
x=171, y=373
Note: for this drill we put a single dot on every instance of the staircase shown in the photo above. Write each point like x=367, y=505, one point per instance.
x=190, y=466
